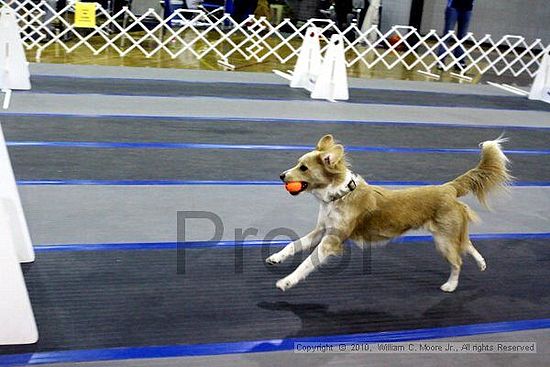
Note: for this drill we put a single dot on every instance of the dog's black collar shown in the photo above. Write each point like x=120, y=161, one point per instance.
x=352, y=185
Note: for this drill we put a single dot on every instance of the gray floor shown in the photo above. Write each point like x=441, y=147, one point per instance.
x=244, y=77
x=213, y=131
x=96, y=214
x=144, y=301
x=275, y=92
x=285, y=359
x=286, y=110
x=61, y=214
x=36, y=163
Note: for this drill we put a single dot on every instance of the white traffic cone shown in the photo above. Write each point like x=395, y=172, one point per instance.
x=308, y=64
x=332, y=82
x=13, y=209
x=540, y=90
x=14, y=69
x=16, y=316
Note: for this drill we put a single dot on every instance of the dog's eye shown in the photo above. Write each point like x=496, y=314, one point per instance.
x=303, y=168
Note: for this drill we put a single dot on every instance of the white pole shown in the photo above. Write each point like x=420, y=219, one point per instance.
x=7, y=99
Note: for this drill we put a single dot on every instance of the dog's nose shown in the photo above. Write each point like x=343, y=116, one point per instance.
x=282, y=176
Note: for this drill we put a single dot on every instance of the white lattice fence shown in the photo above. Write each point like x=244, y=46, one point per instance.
x=214, y=33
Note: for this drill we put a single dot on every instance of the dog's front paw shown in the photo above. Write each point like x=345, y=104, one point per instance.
x=482, y=265
x=274, y=259
x=286, y=283
x=449, y=286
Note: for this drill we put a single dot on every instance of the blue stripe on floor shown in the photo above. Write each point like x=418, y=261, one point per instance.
x=254, y=243
x=272, y=345
x=284, y=120
x=54, y=182
x=159, y=145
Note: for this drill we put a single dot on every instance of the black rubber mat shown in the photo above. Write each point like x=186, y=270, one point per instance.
x=87, y=300
x=216, y=131
x=214, y=164
x=165, y=88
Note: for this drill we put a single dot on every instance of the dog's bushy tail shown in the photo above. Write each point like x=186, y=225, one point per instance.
x=491, y=173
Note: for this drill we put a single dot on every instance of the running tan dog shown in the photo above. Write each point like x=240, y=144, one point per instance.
x=351, y=208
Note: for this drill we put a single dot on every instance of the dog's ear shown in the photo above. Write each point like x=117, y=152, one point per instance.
x=332, y=156
x=325, y=142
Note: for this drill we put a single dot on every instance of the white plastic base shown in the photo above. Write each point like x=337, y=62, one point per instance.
x=308, y=65
x=16, y=317
x=332, y=82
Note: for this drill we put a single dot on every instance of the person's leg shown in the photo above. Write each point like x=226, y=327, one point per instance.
x=61, y=4
x=118, y=5
x=48, y=14
x=342, y=8
x=363, y=13
x=243, y=8
x=239, y=10
x=463, y=20
x=252, y=5
x=450, y=23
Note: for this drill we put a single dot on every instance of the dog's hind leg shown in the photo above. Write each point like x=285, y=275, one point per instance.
x=477, y=256
x=305, y=243
x=451, y=251
x=329, y=246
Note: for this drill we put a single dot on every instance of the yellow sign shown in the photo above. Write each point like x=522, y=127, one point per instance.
x=84, y=15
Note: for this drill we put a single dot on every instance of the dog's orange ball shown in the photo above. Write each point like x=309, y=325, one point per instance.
x=293, y=186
